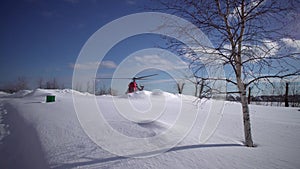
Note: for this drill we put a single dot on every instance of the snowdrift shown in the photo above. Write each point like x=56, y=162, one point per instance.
x=55, y=133
x=18, y=94
x=3, y=94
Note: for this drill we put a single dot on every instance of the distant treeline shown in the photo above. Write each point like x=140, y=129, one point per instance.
x=21, y=83
x=293, y=100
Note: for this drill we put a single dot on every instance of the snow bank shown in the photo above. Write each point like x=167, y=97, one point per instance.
x=57, y=135
x=137, y=95
x=3, y=94
x=146, y=94
x=42, y=93
x=158, y=92
x=57, y=92
x=19, y=94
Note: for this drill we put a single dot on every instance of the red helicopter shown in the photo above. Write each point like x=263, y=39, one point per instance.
x=133, y=86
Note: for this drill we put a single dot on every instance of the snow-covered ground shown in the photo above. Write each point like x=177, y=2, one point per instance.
x=35, y=134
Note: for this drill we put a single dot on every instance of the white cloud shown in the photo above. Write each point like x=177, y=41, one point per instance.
x=108, y=64
x=158, y=61
x=206, y=55
x=151, y=59
x=94, y=65
x=130, y=2
x=265, y=49
x=292, y=44
x=85, y=66
x=252, y=4
x=271, y=46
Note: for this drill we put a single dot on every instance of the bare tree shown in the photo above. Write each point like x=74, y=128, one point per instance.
x=112, y=92
x=88, y=86
x=55, y=84
x=248, y=37
x=52, y=84
x=286, y=97
x=202, y=87
x=40, y=83
x=21, y=84
x=295, y=95
x=78, y=87
x=102, y=90
x=180, y=86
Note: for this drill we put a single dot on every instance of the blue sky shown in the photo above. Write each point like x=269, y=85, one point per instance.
x=43, y=38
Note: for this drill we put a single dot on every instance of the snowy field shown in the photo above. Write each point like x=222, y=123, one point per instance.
x=35, y=134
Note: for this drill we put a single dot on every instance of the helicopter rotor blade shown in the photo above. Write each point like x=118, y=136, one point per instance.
x=113, y=78
x=134, y=78
x=143, y=77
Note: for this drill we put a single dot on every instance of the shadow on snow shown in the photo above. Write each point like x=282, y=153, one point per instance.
x=118, y=158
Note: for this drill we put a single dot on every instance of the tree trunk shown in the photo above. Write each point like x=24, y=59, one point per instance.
x=201, y=89
x=240, y=84
x=246, y=118
x=249, y=95
x=180, y=87
x=196, y=89
x=286, y=100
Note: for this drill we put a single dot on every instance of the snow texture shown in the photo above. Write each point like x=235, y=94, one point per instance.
x=35, y=134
